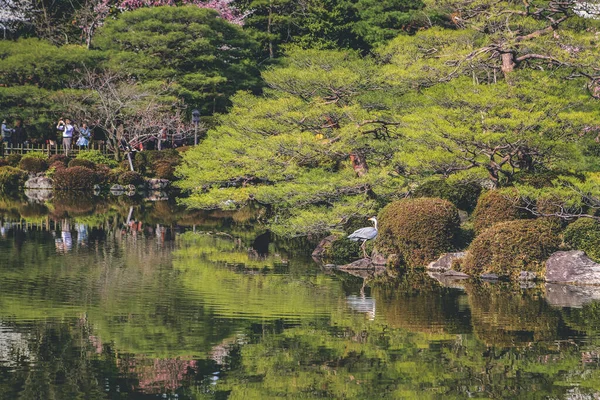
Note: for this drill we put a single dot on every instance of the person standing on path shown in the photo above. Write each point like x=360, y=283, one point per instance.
x=67, y=136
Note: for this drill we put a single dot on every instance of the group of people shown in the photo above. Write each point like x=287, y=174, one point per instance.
x=15, y=136
x=68, y=130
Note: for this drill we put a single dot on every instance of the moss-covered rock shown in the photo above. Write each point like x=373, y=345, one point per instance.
x=507, y=248
x=497, y=206
x=418, y=230
x=584, y=234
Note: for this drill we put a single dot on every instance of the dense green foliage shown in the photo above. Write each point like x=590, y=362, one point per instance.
x=203, y=58
x=464, y=195
x=418, y=230
x=584, y=234
x=507, y=248
x=11, y=179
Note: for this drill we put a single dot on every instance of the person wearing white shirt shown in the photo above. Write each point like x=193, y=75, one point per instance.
x=67, y=134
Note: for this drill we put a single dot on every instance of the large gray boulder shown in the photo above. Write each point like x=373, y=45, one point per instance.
x=39, y=183
x=444, y=263
x=572, y=267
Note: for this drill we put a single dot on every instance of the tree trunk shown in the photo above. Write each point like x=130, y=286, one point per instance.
x=269, y=22
x=508, y=63
x=359, y=163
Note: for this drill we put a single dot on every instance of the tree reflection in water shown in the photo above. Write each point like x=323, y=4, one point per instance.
x=137, y=305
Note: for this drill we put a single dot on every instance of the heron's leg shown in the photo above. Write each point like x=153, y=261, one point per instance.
x=364, y=249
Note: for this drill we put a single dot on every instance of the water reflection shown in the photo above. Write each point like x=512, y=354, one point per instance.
x=118, y=299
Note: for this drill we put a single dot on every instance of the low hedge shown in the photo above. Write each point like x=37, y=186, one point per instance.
x=497, y=206
x=418, y=230
x=74, y=178
x=584, y=234
x=507, y=248
x=11, y=179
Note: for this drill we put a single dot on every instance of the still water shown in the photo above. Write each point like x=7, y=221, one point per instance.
x=123, y=299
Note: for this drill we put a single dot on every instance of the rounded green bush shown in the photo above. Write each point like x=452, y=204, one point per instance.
x=584, y=234
x=496, y=206
x=507, y=248
x=74, y=178
x=13, y=159
x=96, y=157
x=418, y=230
x=11, y=179
x=131, y=178
x=33, y=164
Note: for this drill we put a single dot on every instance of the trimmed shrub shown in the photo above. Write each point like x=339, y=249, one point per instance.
x=507, y=248
x=80, y=162
x=131, y=178
x=74, y=178
x=496, y=206
x=96, y=157
x=33, y=164
x=11, y=179
x=13, y=159
x=584, y=234
x=463, y=195
x=418, y=230
x=3, y=162
x=103, y=175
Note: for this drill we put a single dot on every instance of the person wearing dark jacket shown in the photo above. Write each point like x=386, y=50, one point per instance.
x=19, y=135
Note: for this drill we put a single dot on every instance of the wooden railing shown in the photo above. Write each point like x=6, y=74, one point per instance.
x=50, y=149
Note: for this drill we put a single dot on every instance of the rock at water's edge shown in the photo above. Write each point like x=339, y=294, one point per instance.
x=363, y=263
x=39, y=182
x=157, y=184
x=444, y=263
x=324, y=245
x=561, y=295
x=572, y=267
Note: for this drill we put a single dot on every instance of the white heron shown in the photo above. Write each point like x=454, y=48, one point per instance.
x=365, y=234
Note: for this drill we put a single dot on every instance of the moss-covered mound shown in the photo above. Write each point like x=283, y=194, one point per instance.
x=418, y=230
x=508, y=248
x=584, y=234
x=496, y=206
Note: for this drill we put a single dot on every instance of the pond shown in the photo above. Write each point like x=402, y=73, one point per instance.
x=131, y=299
